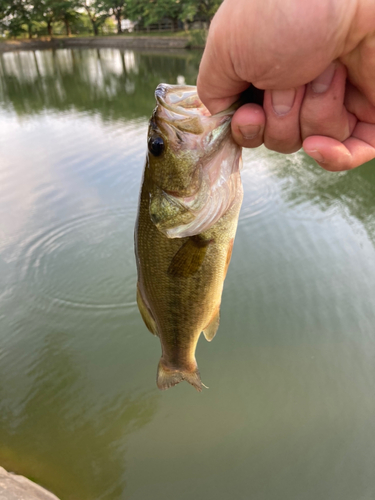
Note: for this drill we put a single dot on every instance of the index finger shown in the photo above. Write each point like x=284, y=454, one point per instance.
x=217, y=84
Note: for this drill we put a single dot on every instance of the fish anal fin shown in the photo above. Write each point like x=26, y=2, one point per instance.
x=229, y=255
x=210, y=331
x=145, y=313
x=167, y=378
x=189, y=257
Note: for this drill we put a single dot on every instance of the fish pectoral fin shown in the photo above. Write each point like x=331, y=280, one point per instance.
x=210, y=331
x=189, y=258
x=145, y=313
x=167, y=378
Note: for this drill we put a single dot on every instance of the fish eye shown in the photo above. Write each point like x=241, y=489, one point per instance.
x=156, y=145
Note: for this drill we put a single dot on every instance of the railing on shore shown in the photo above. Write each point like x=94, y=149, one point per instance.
x=168, y=25
x=161, y=26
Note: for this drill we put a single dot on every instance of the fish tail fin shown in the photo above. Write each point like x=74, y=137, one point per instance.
x=167, y=378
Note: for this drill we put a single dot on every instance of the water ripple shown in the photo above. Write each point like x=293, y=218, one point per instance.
x=84, y=262
x=259, y=191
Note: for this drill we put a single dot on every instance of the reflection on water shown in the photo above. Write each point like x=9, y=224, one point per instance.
x=350, y=194
x=310, y=192
x=61, y=431
x=291, y=372
x=114, y=83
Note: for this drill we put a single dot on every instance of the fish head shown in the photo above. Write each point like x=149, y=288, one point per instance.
x=193, y=162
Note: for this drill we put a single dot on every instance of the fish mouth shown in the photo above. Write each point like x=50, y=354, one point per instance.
x=184, y=100
x=180, y=99
x=180, y=110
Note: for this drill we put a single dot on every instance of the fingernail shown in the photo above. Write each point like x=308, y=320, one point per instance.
x=323, y=81
x=283, y=100
x=316, y=155
x=249, y=131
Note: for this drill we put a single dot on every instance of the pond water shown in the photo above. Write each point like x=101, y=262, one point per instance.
x=290, y=409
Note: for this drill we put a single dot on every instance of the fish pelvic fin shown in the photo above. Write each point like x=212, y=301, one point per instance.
x=167, y=378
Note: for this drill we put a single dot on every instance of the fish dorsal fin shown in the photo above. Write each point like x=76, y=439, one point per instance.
x=210, y=331
x=189, y=257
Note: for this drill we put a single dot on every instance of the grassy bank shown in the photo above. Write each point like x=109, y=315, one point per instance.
x=194, y=38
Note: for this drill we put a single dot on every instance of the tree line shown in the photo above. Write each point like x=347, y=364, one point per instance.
x=36, y=17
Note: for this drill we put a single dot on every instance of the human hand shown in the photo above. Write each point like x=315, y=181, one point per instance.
x=308, y=100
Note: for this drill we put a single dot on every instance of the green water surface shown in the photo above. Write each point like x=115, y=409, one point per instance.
x=290, y=412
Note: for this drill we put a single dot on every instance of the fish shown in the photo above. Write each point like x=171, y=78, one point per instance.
x=187, y=218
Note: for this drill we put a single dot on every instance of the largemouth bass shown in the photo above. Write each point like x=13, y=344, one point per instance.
x=187, y=219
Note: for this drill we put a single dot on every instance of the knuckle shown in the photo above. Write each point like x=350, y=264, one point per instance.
x=312, y=118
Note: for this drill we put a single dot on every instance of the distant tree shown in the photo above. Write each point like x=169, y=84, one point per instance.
x=46, y=10
x=6, y=15
x=66, y=11
x=138, y=11
x=202, y=10
x=117, y=8
x=68, y=17
x=81, y=23
x=153, y=11
x=4, y=4
x=98, y=11
x=15, y=26
x=17, y=16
